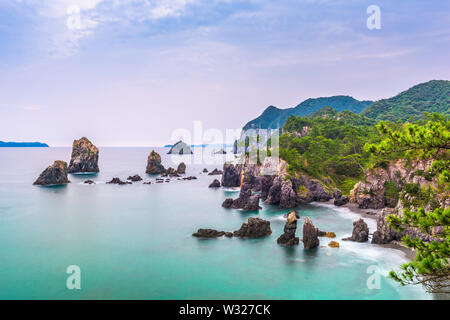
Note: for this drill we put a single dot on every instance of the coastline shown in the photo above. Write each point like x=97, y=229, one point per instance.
x=353, y=207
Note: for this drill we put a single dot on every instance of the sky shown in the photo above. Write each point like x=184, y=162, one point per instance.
x=136, y=72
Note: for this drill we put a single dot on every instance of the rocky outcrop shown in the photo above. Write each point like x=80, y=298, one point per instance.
x=84, y=157
x=135, y=178
x=227, y=203
x=327, y=234
x=181, y=169
x=384, y=234
x=231, y=177
x=341, y=201
x=215, y=184
x=180, y=148
x=56, y=174
x=246, y=201
x=288, y=238
x=215, y=172
x=254, y=228
x=154, y=165
x=211, y=233
x=310, y=235
x=360, y=231
x=118, y=181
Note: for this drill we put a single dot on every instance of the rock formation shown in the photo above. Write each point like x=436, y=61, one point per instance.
x=341, y=201
x=89, y=182
x=246, y=201
x=333, y=244
x=310, y=234
x=221, y=151
x=180, y=148
x=360, y=231
x=327, y=234
x=154, y=165
x=56, y=174
x=227, y=203
x=288, y=237
x=84, y=157
x=215, y=172
x=135, y=178
x=181, y=169
x=211, y=233
x=118, y=181
x=231, y=176
x=215, y=184
x=254, y=228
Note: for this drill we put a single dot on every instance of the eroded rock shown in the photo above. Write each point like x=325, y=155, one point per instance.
x=56, y=174
x=84, y=157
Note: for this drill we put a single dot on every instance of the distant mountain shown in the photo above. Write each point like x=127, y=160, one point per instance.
x=431, y=96
x=23, y=145
x=274, y=117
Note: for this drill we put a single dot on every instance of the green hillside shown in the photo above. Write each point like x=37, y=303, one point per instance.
x=431, y=96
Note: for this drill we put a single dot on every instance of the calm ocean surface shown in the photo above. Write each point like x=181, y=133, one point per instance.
x=134, y=241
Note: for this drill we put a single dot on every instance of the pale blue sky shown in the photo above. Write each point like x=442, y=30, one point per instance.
x=137, y=70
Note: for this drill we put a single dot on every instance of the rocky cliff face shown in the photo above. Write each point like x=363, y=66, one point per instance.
x=154, y=165
x=56, y=174
x=84, y=157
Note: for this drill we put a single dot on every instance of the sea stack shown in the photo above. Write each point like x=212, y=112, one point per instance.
x=154, y=165
x=288, y=237
x=56, y=174
x=254, y=228
x=84, y=157
x=181, y=169
x=180, y=148
x=310, y=234
x=360, y=231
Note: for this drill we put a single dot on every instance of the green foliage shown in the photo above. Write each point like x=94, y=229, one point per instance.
x=432, y=96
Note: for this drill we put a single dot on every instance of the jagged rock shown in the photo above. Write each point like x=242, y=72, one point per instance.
x=181, y=169
x=254, y=228
x=227, y=203
x=135, y=178
x=288, y=238
x=384, y=233
x=169, y=171
x=56, y=174
x=215, y=172
x=118, y=181
x=333, y=244
x=341, y=201
x=89, y=182
x=205, y=170
x=154, y=165
x=246, y=200
x=231, y=176
x=266, y=184
x=360, y=231
x=310, y=235
x=215, y=184
x=180, y=148
x=211, y=233
x=84, y=157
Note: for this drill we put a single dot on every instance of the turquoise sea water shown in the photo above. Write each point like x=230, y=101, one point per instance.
x=134, y=241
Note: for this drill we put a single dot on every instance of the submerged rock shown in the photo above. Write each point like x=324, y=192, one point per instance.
x=181, y=169
x=254, y=228
x=118, y=181
x=215, y=184
x=56, y=174
x=135, y=178
x=333, y=244
x=89, y=182
x=190, y=178
x=310, y=234
x=180, y=148
x=360, y=231
x=327, y=234
x=288, y=238
x=154, y=165
x=84, y=157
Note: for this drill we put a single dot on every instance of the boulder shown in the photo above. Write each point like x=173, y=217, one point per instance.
x=84, y=157
x=181, y=169
x=254, y=228
x=89, y=182
x=135, y=178
x=231, y=176
x=310, y=234
x=154, y=165
x=56, y=174
x=215, y=184
x=333, y=244
x=341, y=201
x=360, y=231
x=327, y=234
x=180, y=148
x=288, y=238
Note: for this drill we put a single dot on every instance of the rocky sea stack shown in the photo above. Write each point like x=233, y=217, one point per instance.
x=180, y=148
x=84, y=157
x=181, y=169
x=154, y=165
x=360, y=231
x=288, y=237
x=310, y=235
x=56, y=174
x=254, y=228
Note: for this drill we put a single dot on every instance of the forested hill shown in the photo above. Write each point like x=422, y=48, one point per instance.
x=431, y=96
x=274, y=117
